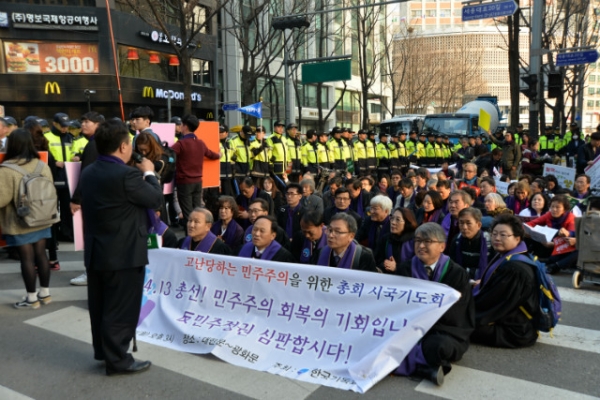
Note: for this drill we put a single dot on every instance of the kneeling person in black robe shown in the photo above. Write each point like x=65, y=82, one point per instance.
x=448, y=338
x=263, y=243
x=200, y=237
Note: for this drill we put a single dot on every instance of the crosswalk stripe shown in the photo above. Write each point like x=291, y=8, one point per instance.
x=573, y=338
x=471, y=384
x=9, y=394
x=65, y=293
x=581, y=296
x=65, y=266
x=74, y=323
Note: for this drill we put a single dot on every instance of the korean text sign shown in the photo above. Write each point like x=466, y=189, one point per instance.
x=335, y=327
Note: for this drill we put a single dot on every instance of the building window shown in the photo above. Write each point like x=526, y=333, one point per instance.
x=590, y=103
x=597, y=103
x=416, y=13
x=591, y=90
x=430, y=13
x=201, y=72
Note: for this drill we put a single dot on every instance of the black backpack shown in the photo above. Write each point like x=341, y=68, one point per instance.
x=167, y=173
x=38, y=204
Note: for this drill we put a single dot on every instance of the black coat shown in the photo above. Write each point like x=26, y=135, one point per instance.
x=218, y=248
x=331, y=211
x=366, y=262
x=115, y=203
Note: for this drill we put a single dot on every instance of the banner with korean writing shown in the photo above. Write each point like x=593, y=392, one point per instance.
x=564, y=175
x=593, y=171
x=336, y=327
x=51, y=58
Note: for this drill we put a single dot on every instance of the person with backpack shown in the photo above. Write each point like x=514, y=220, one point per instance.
x=26, y=217
x=506, y=292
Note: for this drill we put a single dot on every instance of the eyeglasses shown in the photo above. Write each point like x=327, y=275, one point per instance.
x=254, y=210
x=292, y=194
x=502, y=236
x=426, y=242
x=334, y=232
x=343, y=198
x=469, y=171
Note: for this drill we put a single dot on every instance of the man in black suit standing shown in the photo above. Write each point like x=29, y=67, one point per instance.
x=115, y=203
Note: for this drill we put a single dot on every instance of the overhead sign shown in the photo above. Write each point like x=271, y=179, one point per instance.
x=230, y=106
x=160, y=37
x=51, y=58
x=329, y=71
x=495, y=9
x=51, y=21
x=576, y=58
x=158, y=93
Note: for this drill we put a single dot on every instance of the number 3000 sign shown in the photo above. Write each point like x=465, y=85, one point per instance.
x=70, y=65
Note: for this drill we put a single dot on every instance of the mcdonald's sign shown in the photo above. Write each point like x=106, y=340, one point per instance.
x=210, y=115
x=51, y=87
x=148, y=91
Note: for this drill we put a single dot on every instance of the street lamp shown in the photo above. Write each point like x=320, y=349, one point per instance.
x=281, y=24
x=87, y=93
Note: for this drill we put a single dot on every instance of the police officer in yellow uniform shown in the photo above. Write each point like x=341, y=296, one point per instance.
x=241, y=153
x=60, y=146
x=295, y=150
x=393, y=146
x=310, y=159
x=440, y=154
x=411, y=146
x=421, y=152
x=324, y=154
x=78, y=140
x=430, y=153
x=336, y=147
x=348, y=139
x=546, y=142
x=361, y=166
x=261, y=155
x=279, y=152
x=371, y=154
x=227, y=164
x=384, y=156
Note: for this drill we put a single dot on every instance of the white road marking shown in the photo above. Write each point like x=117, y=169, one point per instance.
x=580, y=296
x=74, y=323
x=9, y=394
x=65, y=293
x=471, y=384
x=573, y=338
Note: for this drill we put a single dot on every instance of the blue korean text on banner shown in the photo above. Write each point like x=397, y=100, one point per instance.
x=253, y=109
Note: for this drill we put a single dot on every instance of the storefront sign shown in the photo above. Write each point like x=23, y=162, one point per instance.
x=160, y=37
x=158, y=93
x=51, y=58
x=51, y=88
x=50, y=21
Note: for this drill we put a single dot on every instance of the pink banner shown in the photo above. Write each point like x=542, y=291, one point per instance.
x=73, y=170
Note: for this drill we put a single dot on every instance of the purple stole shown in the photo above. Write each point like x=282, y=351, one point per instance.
x=406, y=251
x=229, y=234
x=267, y=254
x=156, y=225
x=582, y=196
x=495, y=263
x=307, y=250
x=345, y=262
x=289, y=228
x=359, y=205
x=447, y=224
x=248, y=235
x=483, y=250
x=557, y=223
x=435, y=215
x=373, y=238
x=415, y=357
x=204, y=246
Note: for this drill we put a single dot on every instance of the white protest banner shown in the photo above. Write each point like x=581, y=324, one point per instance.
x=593, y=171
x=434, y=171
x=329, y=326
x=564, y=175
x=501, y=187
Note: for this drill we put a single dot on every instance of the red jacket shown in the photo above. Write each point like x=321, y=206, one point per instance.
x=546, y=220
x=190, y=159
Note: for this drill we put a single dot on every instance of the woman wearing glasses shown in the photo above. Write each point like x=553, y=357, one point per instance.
x=398, y=245
x=505, y=291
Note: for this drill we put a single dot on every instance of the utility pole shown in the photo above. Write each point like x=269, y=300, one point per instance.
x=535, y=56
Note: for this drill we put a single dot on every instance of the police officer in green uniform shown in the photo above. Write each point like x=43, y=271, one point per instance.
x=324, y=154
x=393, y=147
x=309, y=151
x=336, y=147
x=361, y=166
x=227, y=164
x=241, y=153
x=279, y=153
x=295, y=151
x=546, y=141
x=384, y=156
x=371, y=154
x=78, y=140
x=430, y=152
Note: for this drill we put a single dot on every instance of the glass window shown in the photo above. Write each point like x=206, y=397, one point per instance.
x=202, y=72
x=592, y=78
x=597, y=103
x=591, y=90
x=590, y=103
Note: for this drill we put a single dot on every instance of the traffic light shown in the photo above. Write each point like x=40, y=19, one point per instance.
x=282, y=23
x=555, y=85
x=531, y=90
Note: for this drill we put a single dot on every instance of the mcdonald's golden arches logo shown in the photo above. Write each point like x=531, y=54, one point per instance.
x=148, y=91
x=210, y=115
x=52, y=88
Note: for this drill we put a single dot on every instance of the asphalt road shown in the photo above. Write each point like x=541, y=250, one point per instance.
x=46, y=354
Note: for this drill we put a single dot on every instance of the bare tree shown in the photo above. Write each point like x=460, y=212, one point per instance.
x=184, y=18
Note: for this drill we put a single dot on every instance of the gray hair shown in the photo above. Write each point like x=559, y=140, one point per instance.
x=350, y=221
x=431, y=230
x=473, y=212
x=432, y=182
x=308, y=182
x=207, y=214
x=382, y=201
x=497, y=199
x=466, y=197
